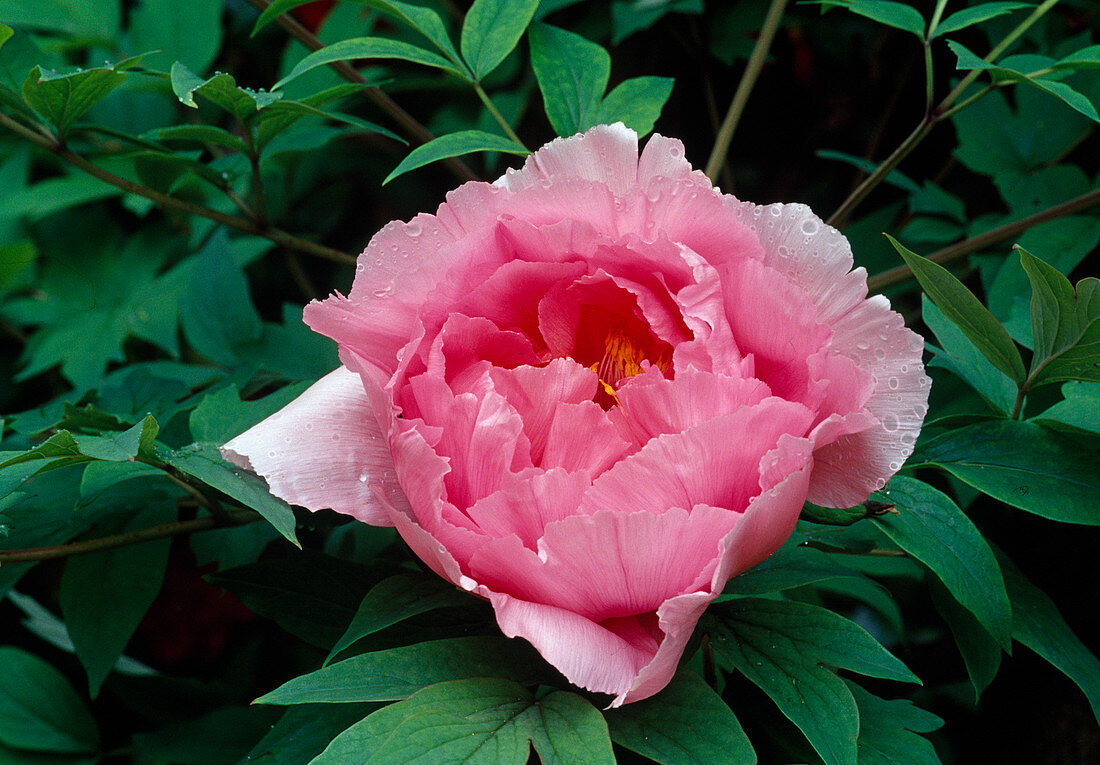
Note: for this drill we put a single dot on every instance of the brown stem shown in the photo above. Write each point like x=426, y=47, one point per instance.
x=991, y=237
x=414, y=129
x=235, y=517
x=278, y=236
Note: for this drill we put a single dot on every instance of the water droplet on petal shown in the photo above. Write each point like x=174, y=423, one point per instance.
x=363, y=477
x=890, y=422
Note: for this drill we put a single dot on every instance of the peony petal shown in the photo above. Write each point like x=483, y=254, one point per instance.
x=609, y=565
x=583, y=437
x=652, y=405
x=664, y=158
x=715, y=463
x=537, y=392
x=525, y=507
x=606, y=154
x=324, y=450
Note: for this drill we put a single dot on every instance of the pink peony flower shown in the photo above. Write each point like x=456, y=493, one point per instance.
x=594, y=391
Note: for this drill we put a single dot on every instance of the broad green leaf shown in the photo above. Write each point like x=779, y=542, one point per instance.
x=104, y=595
x=366, y=47
x=1065, y=324
x=39, y=710
x=221, y=415
x=1073, y=98
x=630, y=16
x=572, y=73
x=980, y=652
x=63, y=97
x=222, y=90
x=124, y=446
x=190, y=32
x=200, y=134
x=790, y=566
x=60, y=445
x=1038, y=625
x=686, y=722
x=203, y=461
x=1023, y=465
x=221, y=737
x=5, y=33
x=304, y=731
x=491, y=30
x=216, y=312
x=1079, y=409
x=395, y=599
x=888, y=731
x=399, y=672
x=566, y=728
x=636, y=102
x=96, y=22
x=781, y=646
x=280, y=115
x=961, y=357
x=480, y=720
x=966, y=312
x=897, y=15
x=931, y=528
x=311, y=595
x=423, y=20
x=975, y=15
x=454, y=145
x=1086, y=58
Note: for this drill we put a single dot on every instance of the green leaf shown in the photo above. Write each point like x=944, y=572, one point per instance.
x=1065, y=324
x=1038, y=625
x=960, y=356
x=203, y=461
x=189, y=32
x=39, y=710
x=104, y=595
x=5, y=33
x=685, y=722
x=781, y=646
x=60, y=445
x=931, y=528
x=304, y=731
x=1076, y=100
x=395, y=599
x=966, y=312
x=630, y=16
x=310, y=595
x=888, y=731
x=788, y=567
x=572, y=74
x=93, y=22
x=895, y=177
x=480, y=720
x=366, y=47
x=1023, y=465
x=399, y=672
x=636, y=102
x=491, y=30
x=897, y=15
x=454, y=145
x=200, y=134
x=1079, y=409
x=423, y=20
x=221, y=90
x=1086, y=58
x=221, y=415
x=216, y=312
x=975, y=15
x=61, y=98
x=221, y=737
x=980, y=652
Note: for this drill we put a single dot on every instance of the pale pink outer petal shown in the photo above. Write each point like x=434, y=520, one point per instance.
x=605, y=154
x=324, y=450
x=818, y=259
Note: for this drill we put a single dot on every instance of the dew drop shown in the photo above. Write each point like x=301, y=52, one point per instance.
x=360, y=268
x=809, y=226
x=413, y=229
x=894, y=466
x=363, y=477
x=271, y=453
x=893, y=383
x=880, y=354
x=653, y=194
x=890, y=422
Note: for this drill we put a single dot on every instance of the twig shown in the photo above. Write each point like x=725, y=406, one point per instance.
x=415, y=130
x=496, y=113
x=744, y=88
x=278, y=236
x=991, y=237
x=235, y=517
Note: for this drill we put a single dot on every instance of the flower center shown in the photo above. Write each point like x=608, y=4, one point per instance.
x=622, y=357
